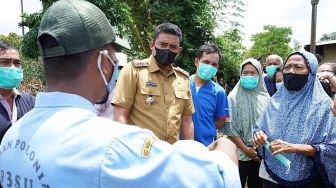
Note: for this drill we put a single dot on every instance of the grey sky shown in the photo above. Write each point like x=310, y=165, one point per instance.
x=289, y=13
x=284, y=13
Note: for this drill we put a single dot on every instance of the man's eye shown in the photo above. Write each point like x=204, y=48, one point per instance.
x=164, y=44
x=173, y=47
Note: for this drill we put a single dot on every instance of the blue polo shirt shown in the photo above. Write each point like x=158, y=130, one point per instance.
x=211, y=104
x=269, y=85
x=63, y=143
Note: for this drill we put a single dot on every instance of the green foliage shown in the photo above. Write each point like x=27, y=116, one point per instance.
x=274, y=40
x=230, y=43
x=32, y=69
x=29, y=46
x=136, y=20
x=33, y=76
x=228, y=13
x=13, y=39
x=328, y=36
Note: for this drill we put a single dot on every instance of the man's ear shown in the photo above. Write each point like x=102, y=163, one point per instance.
x=196, y=62
x=180, y=50
x=151, y=44
x=106, y=65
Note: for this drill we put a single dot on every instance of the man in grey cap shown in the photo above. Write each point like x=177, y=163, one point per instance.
x=63, y=143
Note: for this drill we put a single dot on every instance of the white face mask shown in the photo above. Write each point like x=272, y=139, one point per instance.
x=110, y=84
x=278, y=85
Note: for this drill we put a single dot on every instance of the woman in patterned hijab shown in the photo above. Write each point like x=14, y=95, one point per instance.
x=247, y=101
x=298, y=123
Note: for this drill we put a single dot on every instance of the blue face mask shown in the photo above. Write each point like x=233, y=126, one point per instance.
x=10, y=77
x=270, y=70
x=206, y=72
x=249, y=82
x=110, y=84
x=278, y=85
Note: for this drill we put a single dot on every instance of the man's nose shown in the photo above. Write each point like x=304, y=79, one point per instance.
x=291, y=70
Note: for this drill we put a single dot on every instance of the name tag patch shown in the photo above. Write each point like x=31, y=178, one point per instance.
x=148, y=146
x=151, y=84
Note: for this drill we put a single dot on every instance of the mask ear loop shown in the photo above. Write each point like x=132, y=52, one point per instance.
x=100, y=68
x=115, y=66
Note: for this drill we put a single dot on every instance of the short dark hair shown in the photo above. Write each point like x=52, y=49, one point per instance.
x=4, y=46
x=208, y=49
x=62, y=68
x=168, y=28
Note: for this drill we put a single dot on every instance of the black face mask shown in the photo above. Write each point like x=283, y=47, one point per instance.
x=164, y=56
x=294, y=82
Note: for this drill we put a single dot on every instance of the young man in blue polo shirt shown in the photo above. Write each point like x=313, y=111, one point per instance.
x=210, y=100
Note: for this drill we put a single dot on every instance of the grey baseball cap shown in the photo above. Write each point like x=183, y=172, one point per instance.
x=77, y=26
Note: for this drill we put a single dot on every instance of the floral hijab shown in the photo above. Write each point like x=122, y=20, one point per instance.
x=302, y=117
x=246, y=106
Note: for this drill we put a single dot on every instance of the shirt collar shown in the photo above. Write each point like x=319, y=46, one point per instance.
x=153, y=66
x=15, y=92
x=60, y=99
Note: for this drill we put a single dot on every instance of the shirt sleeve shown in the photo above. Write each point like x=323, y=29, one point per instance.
x=183, y=164
x=222, y=107
x=126, y=88
x=189, y=105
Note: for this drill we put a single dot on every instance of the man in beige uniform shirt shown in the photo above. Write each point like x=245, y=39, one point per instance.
x=153, y=94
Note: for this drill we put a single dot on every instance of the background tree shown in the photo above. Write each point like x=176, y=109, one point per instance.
x=136, y=20
x=296, y=45
x=273, y=40
x=13, y=39
x=328, y=36
x=230, y=43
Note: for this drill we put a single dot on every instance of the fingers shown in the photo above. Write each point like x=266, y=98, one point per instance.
x=324, y=75
x=280, y=146
x=259, y=138
x=281, y=150
x=276, y=145
x=256, y=159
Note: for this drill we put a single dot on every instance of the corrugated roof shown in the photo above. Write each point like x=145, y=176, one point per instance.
x=324, y=43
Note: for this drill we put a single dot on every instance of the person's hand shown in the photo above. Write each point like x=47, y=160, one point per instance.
x=259, y=138
x=333, y=107
x=280, y=146
x=252, y=153
x=324, y=75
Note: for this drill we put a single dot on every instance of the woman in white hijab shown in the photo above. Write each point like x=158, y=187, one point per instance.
x=247, y=101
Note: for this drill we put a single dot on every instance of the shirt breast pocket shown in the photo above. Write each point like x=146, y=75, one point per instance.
x=181, y=94
x=181, y=98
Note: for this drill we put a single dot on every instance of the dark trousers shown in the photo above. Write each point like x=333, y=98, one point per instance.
x=249, y=171
x=316, y=184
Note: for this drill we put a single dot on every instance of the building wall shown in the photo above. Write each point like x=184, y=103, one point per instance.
x=329, y=54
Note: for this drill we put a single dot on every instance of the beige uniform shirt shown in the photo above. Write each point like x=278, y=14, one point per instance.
x=154, y=100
